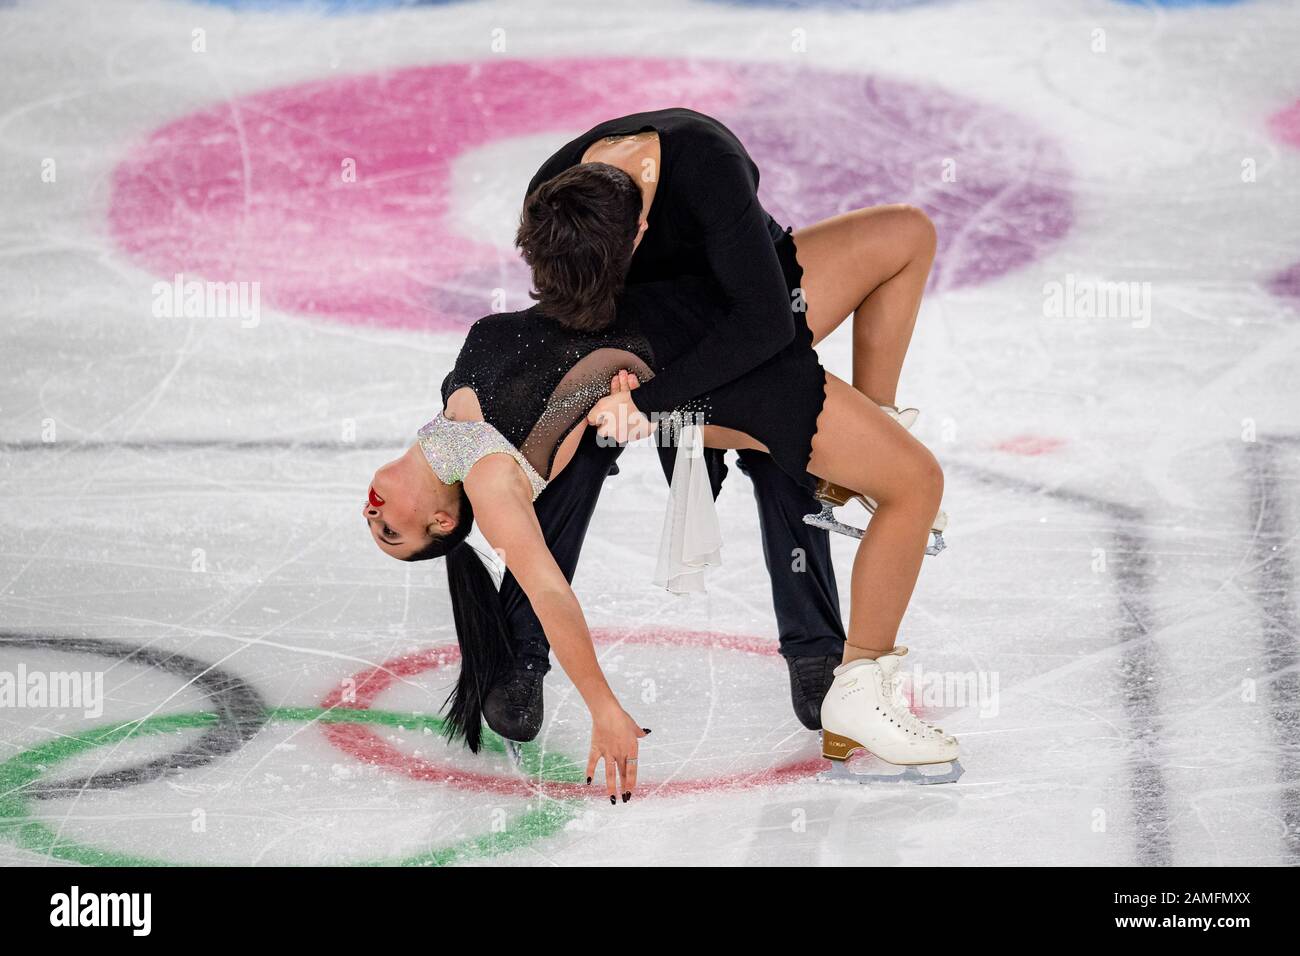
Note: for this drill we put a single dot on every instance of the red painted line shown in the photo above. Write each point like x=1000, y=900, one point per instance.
x=1031, y=445
x=363, y=744
x=360, y=691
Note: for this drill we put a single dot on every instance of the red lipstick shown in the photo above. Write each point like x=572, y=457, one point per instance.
x=375, y=500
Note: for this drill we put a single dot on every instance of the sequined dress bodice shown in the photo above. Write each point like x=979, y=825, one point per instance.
x=535, y=382
x=453, y=447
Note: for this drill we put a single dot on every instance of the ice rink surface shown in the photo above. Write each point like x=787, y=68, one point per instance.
x=1112, y=633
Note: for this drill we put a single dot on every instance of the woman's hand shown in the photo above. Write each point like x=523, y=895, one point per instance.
x=616, y=416
x=614, y=737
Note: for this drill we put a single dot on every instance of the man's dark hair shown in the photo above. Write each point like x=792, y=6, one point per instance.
x=576, y=233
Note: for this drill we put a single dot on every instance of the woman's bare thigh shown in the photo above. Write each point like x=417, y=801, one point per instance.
x=856, y=445
x=846, y=257
x=860, y=447
x=715, y=436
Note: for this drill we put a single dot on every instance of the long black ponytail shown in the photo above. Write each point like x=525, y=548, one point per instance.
x=481, y=629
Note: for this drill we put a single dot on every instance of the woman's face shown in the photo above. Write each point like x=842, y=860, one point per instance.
x=400, y=509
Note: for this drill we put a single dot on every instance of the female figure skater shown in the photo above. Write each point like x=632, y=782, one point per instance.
x=523, y=391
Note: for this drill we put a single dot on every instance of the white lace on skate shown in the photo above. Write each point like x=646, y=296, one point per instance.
x=892, y=691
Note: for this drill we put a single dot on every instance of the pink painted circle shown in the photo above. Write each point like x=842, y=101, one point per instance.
x=1285, y=126
x=361, y=691
x=253, y=189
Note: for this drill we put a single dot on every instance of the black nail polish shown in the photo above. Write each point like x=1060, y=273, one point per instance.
x=588, y=780
x=627, y=796
x=613, y=799
x=646, y=729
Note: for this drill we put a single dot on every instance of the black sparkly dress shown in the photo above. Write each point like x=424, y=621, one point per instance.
x=748, y=354
x=536, y=380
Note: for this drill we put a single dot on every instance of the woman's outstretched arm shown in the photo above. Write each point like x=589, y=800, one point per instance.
x=503, y=507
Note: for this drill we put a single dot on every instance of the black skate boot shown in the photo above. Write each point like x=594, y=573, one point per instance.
x=810, y=679
x=513, y=706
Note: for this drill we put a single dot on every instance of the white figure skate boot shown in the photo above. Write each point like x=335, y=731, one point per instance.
x=864, y=710
x=904, y=416
x=834, y=496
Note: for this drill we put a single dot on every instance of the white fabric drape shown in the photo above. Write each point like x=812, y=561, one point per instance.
x=691, y=539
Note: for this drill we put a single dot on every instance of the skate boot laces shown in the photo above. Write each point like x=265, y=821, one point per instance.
x=892, y=693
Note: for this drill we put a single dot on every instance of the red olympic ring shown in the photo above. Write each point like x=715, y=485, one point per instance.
x=362, y=743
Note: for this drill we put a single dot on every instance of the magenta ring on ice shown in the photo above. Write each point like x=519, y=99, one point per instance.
x=336, y=195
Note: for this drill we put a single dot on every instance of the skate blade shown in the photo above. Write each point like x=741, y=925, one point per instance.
x=515, y=751
x=839, y=773
x=827, y=521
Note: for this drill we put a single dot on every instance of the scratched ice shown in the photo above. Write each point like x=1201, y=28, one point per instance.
x=1112, y=632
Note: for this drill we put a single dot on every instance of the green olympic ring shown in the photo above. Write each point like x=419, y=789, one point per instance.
x=19, y=826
